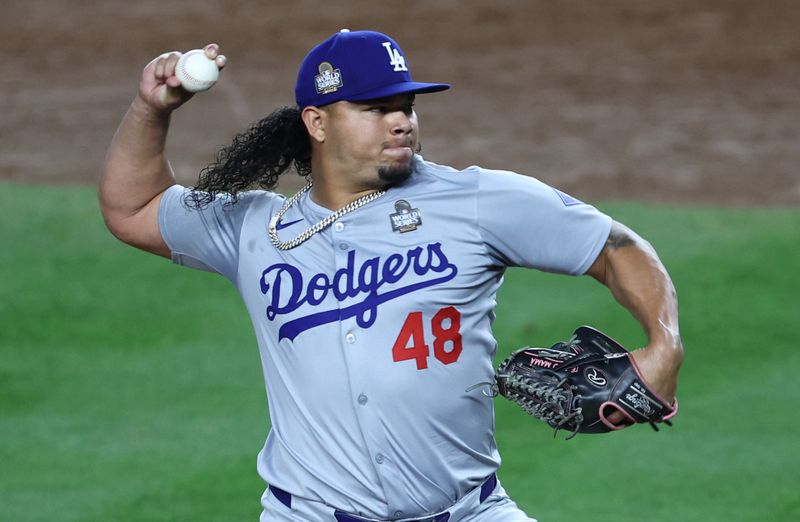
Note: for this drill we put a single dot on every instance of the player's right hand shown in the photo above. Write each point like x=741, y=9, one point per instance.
x=161, y=89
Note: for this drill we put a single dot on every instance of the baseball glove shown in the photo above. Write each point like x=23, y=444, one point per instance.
x=576, y=385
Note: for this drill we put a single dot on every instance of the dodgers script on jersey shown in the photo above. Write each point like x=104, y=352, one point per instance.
x=371, y=331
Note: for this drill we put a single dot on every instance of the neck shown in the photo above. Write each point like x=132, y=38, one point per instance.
x=335, y=188
x=332, y=196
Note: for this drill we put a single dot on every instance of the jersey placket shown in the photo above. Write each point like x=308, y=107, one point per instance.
x=357, y=353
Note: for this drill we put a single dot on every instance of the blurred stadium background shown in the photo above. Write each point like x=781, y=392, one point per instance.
x=131, y=390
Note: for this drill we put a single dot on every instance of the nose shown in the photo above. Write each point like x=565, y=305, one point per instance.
x=401, y=123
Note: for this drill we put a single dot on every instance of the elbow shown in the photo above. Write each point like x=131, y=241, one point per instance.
x=137, y=228
x=113, y=218
x=121, y=222
x=116, y=224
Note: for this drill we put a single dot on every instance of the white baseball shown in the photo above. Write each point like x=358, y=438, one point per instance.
x=196, y=71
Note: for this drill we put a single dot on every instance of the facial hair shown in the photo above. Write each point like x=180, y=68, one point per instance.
x=394, y=175
x=397, y=174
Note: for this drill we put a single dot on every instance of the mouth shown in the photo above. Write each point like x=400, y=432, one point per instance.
x=399, y=151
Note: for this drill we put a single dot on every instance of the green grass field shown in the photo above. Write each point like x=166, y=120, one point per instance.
x=130, y=389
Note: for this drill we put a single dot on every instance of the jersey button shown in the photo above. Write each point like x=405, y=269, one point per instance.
x=398, y=514
x=379, y=458
x=350, y=338
x=362, y=399
x=338, y=226
x=343, y=246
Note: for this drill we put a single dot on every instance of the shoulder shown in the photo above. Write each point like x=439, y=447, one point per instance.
x=243, y=201
x=484, y=180
x=257, y=198
x=430, y=169
x=449, y=178
x=473, y=172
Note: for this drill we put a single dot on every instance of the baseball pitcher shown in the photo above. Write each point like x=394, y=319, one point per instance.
x=372, y=290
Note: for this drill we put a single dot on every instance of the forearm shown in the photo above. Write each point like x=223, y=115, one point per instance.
x=136, y=169
x=640, y=283
x=631, y=269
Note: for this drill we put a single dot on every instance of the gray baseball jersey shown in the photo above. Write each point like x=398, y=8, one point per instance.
x=371, y=331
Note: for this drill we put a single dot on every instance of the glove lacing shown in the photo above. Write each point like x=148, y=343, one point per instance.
x=544, y=401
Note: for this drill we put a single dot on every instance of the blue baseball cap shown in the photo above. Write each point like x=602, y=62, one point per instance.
x=356, y=66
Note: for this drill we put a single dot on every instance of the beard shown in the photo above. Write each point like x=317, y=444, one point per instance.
x=394, y=175
x=397, y=174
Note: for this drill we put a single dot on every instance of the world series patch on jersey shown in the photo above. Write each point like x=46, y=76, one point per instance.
x=406, y=219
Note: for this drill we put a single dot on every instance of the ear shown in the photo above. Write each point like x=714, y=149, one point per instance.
x=314, y=119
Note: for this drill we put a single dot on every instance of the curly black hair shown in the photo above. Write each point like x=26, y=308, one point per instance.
x=255, y=158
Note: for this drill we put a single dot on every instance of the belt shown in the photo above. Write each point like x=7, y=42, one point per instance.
x=285, y=498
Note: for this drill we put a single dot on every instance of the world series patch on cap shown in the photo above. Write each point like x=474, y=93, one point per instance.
x=356, y=66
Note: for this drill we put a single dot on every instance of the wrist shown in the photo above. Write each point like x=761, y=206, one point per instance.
x=148, y=114
x=667, y=349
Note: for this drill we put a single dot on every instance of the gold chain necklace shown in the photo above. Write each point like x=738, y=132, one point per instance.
x=321, y=225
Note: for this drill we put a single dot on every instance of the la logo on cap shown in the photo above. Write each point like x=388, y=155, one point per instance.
x=395, y=58
x=328, y=80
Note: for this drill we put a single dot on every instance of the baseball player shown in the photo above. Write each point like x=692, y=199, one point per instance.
x=372, y=290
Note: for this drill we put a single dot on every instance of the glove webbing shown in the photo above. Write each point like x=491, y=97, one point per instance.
x=543, y=401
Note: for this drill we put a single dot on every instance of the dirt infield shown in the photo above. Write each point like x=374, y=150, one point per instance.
x=682, y=101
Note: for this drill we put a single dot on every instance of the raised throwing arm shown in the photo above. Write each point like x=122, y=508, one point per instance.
x=136, y=171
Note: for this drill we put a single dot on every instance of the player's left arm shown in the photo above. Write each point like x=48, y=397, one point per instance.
x=629, y=266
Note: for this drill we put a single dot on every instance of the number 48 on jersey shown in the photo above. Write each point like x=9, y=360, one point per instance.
x=446, y=328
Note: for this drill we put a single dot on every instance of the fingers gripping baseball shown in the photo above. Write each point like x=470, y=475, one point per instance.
x=161, y=88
